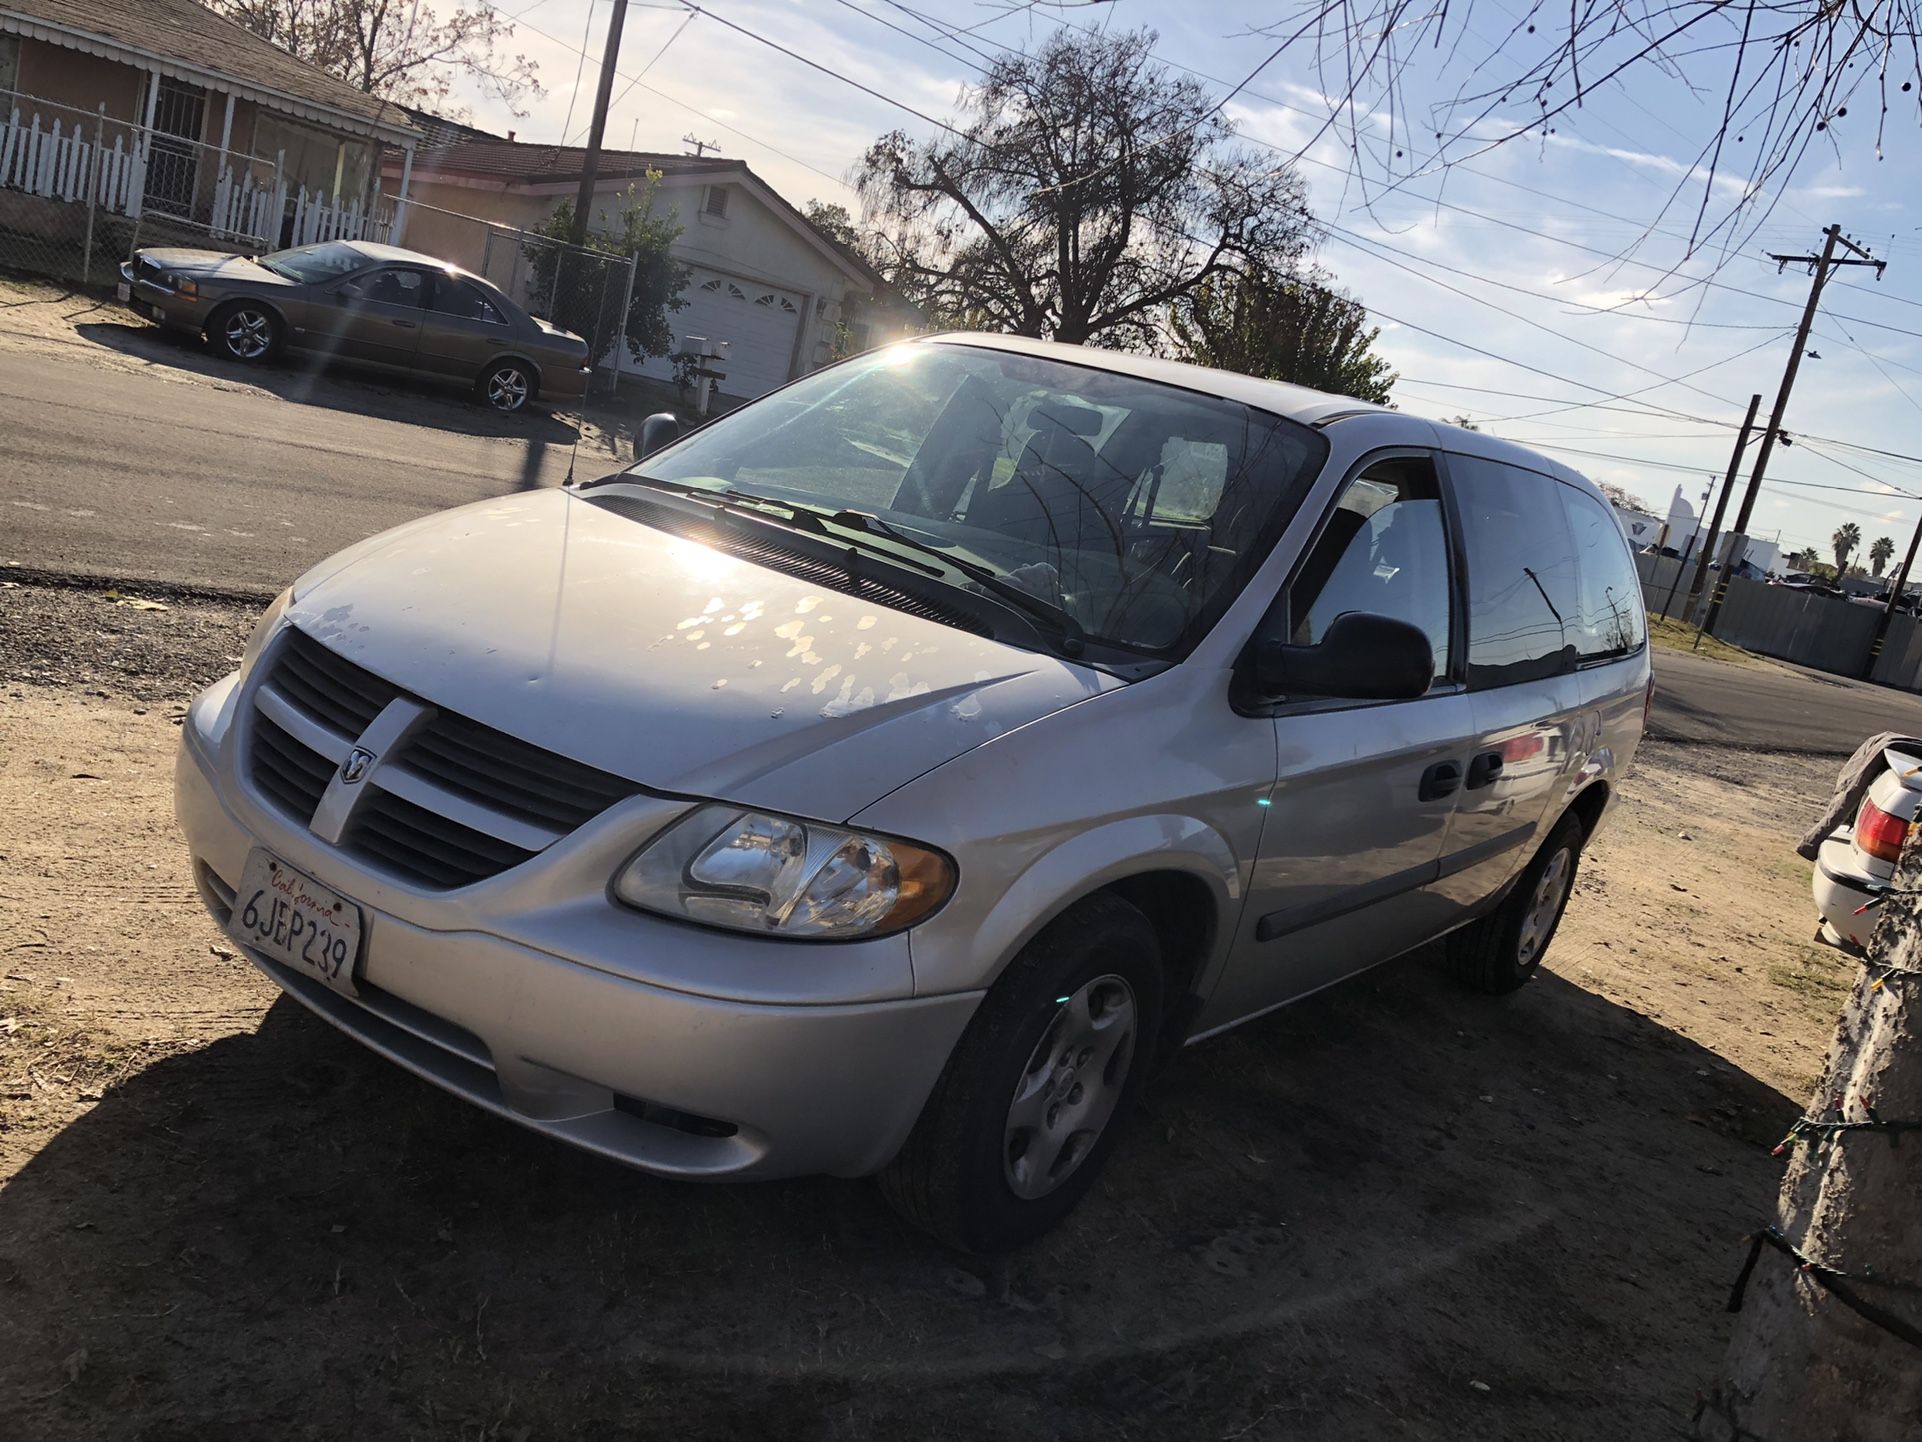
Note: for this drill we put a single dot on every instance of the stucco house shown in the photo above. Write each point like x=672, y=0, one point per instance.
x=163, y=108
x=761, y=277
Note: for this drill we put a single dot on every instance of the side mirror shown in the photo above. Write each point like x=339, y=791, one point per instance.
x=1361, y=656
x=658, y=430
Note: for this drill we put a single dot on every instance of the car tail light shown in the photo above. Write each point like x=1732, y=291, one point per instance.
x=1878, y=833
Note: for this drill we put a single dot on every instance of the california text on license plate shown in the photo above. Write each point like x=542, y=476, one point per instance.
x=288, y=916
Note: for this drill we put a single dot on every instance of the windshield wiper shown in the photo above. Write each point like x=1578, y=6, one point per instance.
x=746, y=504
x=1072, y=635
x=809, y=519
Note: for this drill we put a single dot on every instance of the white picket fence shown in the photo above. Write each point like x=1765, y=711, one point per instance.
x=250, y=206
x=317, y=218
x=58, y=161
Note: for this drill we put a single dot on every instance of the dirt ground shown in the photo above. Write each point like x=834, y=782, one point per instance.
x=1392, y=1211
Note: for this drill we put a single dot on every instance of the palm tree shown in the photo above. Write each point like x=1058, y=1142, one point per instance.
x=1880, y=554
x=1847, y=537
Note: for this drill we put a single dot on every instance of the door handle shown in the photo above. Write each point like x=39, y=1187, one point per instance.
x=1439, y=780
x=406, y=324
x=1484, y=769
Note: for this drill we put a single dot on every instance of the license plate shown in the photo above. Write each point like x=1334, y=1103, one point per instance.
x=123, y=291
x=288, y=916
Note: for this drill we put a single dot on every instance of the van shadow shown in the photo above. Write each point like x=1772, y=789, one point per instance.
x=337, y=385
x=1335, y=1219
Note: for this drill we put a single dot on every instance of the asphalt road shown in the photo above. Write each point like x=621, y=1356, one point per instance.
x=174, y=476
x=1773, y=708
x=180, y=472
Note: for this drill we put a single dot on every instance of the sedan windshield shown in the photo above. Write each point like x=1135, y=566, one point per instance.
x=310, y=263
x=1137, y=508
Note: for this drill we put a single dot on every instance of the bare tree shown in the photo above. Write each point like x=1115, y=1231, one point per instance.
x=1078, y=193
x=1784, y=77
x=395, y=49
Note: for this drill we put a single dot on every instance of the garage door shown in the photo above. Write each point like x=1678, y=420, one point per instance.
x=758, y=322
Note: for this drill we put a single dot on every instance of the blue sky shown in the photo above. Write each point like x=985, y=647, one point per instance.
x=1544, y=217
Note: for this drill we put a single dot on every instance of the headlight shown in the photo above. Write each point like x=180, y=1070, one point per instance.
x=189, y=288
x=752, y=871
x=264, y=630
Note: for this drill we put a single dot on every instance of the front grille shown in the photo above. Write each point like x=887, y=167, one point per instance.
x=293, y=776
x=828, y=575
x=329, y=687
x=425, y=846
x=483, y=765
x=453, y=803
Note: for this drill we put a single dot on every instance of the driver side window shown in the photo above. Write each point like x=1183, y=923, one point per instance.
x=387, y=287
x=1384, y=551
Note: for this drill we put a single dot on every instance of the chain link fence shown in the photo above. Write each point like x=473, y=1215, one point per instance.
x=575, y=287
x=80, y=190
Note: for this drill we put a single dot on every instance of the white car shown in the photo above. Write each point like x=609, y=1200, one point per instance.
x=1857, y=863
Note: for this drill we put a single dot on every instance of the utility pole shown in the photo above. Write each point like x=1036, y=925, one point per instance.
x=1715, y=526
x=700, y=147
x=603, y=93
x=1895, y=596
x=1819, y=268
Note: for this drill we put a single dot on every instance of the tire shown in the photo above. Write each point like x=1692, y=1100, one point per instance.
x=1499, y=953
x=245, y=331
x=970, y=1175
x=505, y=386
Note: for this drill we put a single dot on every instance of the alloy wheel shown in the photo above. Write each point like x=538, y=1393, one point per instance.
x=248, y=333
x=1070, y=1087
x=507, y=389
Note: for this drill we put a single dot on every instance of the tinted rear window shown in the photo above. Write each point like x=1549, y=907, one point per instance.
x=1523, y=584
x=1610, y=620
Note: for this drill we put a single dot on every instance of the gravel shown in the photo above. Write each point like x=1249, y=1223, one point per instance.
x=139, y=644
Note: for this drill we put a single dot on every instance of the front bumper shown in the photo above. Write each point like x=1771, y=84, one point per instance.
x=577, y=1046
x=159, y=304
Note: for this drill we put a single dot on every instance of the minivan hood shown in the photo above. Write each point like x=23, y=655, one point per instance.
x=667, y=662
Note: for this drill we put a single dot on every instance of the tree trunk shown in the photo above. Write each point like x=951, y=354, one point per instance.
x=1802, y=1365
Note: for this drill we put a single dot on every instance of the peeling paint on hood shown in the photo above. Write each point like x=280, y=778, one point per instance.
x=664, y=661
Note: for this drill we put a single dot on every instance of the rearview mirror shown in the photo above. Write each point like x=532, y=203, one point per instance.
x=658, y=430
x=1360, y=656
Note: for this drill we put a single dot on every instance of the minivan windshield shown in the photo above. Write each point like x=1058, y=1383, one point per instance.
x=1139, y=509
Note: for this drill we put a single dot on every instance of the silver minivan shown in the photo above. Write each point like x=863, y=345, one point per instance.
x=888, y=776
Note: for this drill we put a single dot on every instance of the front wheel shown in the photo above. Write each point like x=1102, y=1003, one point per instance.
x=1027, y=1110
x=505, y=386
x=1501, y=952
x=245, y=332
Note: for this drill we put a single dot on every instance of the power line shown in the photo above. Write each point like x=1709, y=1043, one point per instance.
x=1549, y=330
x=828, y=71
x=686, y=21
x=554, y=39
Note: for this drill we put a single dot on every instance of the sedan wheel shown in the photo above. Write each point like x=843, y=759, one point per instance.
x=506, y=388
x=246, y=332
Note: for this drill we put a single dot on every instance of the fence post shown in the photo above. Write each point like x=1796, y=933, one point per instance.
x=620, y=326
x=93, y=189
